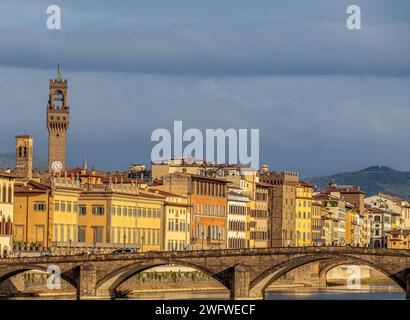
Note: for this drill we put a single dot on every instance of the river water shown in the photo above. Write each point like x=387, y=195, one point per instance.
x=379, y=291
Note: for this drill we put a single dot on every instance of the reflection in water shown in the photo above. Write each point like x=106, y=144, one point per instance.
x=377, y=291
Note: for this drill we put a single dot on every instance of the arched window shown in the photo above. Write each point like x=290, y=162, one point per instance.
x=4, y=194
x=10, y=197
x=9, y=226
x=3, y=226
x=58, y=99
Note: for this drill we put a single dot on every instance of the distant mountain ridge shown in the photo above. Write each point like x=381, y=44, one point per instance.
x=8, y=160
x=371, y=180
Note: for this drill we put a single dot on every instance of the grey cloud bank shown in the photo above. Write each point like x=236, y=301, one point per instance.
x=315, y=124
x=217, y=38
x=325, y=99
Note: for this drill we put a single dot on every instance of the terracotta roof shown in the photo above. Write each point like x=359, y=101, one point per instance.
x=377, y=210
x=31, y=187
x=196, y=176
x=305, y=184
x=165, y=193
x=186, y=205
x=8, y=174
x=88, y=173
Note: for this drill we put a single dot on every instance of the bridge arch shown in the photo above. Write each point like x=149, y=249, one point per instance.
x=259, y=284
x=107, y=285
x=15, y=270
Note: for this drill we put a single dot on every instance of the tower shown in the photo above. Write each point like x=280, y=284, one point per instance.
x=58, y=120
x=24, y=156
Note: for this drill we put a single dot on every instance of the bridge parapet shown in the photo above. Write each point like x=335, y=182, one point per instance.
x=210, y=253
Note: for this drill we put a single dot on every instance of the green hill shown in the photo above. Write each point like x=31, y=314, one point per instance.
x=371, y=180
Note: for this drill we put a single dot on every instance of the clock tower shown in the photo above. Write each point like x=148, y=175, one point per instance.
x=58, y=120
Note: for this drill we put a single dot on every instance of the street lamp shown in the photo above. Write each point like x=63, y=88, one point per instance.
x=219, y=240
x=142, y=243
x=69, y=241
x=202, y=240
x=125, y=239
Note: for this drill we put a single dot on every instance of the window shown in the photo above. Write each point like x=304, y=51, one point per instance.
x=82, y=210
x=97, y=234
x=76, y=207
x=4, y=194
x=98, y=210
x=69, y=232
x=10, y=199
x=62, y=206
x=69, y=206
x=62, y=238
x=113, y=210
x=55, y=232
x=56, y=205
x=39, y=206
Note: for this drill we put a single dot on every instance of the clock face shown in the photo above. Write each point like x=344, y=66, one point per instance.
x=57, y=166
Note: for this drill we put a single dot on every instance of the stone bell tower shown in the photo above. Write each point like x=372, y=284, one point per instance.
x=58, y=120
x=24, y=156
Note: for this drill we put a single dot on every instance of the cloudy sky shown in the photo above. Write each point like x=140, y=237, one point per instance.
x=325, y=98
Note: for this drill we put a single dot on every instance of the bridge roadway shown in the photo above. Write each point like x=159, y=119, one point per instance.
x=246, y=273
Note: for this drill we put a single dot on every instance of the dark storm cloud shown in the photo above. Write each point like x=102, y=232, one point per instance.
x=237, y=38
x=313, y=124
x=325, y=99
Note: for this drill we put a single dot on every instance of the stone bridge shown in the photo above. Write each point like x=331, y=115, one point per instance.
x=246, y=273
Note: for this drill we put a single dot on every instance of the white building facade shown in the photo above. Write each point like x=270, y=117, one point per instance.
x=237, y=211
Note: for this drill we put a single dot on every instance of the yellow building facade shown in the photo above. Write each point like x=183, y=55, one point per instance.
x=176, y=222
x=73, y=216
x=34, y=211
x=6, y=214
x=303, y=214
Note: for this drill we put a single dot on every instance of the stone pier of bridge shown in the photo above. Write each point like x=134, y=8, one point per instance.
x=87, y=282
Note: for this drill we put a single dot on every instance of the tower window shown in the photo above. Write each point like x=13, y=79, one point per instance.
x=58, y=99
x=23, y=152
